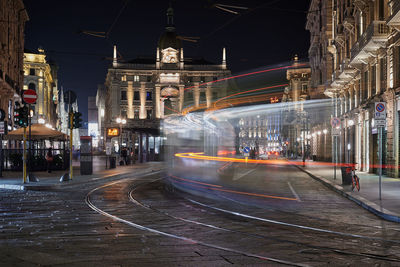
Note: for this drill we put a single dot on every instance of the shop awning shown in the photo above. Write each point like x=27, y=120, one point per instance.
x=38, y=132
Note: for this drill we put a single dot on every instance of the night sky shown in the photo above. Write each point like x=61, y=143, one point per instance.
x=268, y=33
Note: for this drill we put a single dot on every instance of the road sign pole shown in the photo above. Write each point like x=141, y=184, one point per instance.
x=1, y=153
x=24, y=157
x=30, y=140
x=334, y=157
x=380, y=162
x=70, y=148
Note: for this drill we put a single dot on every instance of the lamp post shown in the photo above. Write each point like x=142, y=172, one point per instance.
x=120, y=121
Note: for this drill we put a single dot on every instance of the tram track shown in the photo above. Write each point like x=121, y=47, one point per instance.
x=321, y=249
x=183, y=238
x=339, y=251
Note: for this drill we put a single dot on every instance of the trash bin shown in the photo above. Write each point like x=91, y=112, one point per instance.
x=346, y=175
x=112, y=162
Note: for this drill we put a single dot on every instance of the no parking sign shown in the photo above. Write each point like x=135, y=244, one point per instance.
x=380, y=111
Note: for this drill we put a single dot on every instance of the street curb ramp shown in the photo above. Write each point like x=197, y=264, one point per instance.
x=366, y=204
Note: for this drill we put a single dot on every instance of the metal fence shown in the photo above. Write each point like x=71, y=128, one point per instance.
x=13, y=160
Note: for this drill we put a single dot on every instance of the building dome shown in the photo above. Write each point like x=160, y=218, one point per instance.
x=169, y=39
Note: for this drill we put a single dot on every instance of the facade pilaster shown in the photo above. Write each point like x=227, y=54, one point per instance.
x=181, y=97
x=158, y=101
x=208, y=96
x=129, y=95
x=142, y=114
x=196, y=93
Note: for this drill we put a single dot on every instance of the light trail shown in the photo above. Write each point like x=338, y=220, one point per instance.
x=234, y=191
x=201, y=156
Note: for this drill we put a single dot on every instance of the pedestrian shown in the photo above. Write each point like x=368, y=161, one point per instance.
x=49, y=159
x=124, y=154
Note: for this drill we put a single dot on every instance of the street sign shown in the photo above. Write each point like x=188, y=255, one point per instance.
x=335, y=131
x=29, y=96
x=113, y=132
x=246, y=149
x=335, y=122
x=380, y=123
x=380, y=111
x=108, y=148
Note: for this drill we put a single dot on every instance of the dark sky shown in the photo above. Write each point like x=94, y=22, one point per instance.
x=269, y=33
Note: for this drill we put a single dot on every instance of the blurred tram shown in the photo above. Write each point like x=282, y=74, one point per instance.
x=202, y=134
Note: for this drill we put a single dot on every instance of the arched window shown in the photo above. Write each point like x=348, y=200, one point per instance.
x=32, y=86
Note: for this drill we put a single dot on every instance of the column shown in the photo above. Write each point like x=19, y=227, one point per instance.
x=147, y=148
x=142, y=114
x=40, y=100
x=129, y=95
x=351, y=104
x=161, y=108
x=158, y=107
x=208, y=96
x=196, y=93
x=378, y=75
x=141, y=147
x=181, y=97
x=369, y=87
x=133, y=147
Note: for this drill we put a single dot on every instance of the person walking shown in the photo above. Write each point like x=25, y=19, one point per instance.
x=124, y=154
x=49, y=159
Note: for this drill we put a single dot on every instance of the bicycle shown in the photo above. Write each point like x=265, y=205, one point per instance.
x=355, y=181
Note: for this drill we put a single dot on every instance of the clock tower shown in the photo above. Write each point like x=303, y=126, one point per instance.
x=169, y=49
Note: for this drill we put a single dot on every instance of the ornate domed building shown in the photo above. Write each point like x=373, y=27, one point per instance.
x=143, y=91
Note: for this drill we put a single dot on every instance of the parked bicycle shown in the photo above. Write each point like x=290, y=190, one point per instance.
x=355, y=181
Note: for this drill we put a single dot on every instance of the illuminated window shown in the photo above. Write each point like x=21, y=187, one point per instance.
x=136, y=78
x=123, y=78
x=102, y=112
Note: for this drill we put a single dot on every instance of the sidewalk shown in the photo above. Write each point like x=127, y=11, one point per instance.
x=387, y=208
x=50, y=181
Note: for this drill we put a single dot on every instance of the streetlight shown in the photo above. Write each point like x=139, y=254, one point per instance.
x=120, y=121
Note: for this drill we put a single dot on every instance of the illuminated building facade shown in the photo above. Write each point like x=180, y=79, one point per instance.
x=261, y=132
x=40, y=75
x=145, y=90
x=359, y=42
x=13, y=16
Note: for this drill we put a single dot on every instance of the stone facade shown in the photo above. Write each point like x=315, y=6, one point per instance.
x=145, y=90
x=13, y=17
x=364, y=47
x=41, y=75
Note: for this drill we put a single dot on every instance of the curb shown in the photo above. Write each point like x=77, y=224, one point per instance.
x=29, y=187
x=364, y=203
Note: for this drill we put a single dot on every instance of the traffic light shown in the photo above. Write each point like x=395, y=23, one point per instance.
x=21, y=116
x=77, y=120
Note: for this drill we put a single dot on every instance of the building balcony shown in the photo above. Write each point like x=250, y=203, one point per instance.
x=347, y=73
x=394, y=19
x=348, y=19
x=373, y=38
